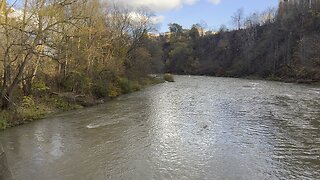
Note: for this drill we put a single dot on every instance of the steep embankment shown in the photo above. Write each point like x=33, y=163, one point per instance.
x=285, y=49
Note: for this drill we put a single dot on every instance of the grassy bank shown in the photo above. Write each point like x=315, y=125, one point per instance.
x=45, y=102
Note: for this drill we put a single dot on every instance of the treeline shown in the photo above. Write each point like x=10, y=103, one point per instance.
x=278, y=45
x=83, y=47
x=58, y=54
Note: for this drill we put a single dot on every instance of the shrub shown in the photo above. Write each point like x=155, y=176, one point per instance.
x=31, y=111
x=135, y=86
x=119, y=86
x=77, y=82
x=64, y=105
x=100, y=90
x=128, y=86
x=146, y=81
x=151, y=80
x=40, y=86
x=125, y=85
x=27, y=102
x=168, y=77
x=4, y=116
x=113, y=91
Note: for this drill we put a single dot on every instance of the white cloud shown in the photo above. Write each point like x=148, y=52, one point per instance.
x=215, y=1
x=157, y=19
x=156, y=5
x=135, y=16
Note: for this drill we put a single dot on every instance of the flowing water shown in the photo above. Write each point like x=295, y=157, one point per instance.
x=195, y=128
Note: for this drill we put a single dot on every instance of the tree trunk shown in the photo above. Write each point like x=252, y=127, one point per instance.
x=27, y=87
x=7, y=93
x=6, y=100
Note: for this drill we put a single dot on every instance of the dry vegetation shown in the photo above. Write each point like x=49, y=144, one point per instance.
x=83, y=48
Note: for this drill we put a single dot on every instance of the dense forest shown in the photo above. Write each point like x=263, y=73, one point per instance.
x=279, y=44
x=66, y=54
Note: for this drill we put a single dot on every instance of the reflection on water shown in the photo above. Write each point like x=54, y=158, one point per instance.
x=196, y=128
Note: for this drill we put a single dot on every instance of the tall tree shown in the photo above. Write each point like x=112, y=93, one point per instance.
x=237, y=18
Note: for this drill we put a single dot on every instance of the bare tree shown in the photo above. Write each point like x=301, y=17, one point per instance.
x=24, y=34
x=268, y=16
x=237, y=18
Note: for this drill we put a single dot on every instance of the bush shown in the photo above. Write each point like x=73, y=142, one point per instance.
x=4, y=116
x=128, y=86
x=125, y=85
x=135, y=86
x=118, y=86
x=27, y=102
x=146, y=81
x=64, y=105
x=100, y=90
x=168, y=77
x=40, y=86
x=77, y=82
x=31, y=111
x=113, y=91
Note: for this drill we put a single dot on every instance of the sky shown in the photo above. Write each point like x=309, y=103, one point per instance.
x=189, y=12
x=213, y=14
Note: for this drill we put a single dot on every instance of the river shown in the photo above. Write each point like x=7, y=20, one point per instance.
x=195, y=128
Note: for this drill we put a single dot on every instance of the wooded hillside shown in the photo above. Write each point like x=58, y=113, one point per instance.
x=269, y=45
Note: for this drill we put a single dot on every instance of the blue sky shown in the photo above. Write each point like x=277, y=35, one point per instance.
x=213, y=14
x=188, y=12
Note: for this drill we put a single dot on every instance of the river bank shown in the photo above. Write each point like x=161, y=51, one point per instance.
x=37, y=107
x=284, y=79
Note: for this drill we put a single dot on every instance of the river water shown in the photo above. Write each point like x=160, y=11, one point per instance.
x=195, y=128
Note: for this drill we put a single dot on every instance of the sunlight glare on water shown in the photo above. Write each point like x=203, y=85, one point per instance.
x=195, y=128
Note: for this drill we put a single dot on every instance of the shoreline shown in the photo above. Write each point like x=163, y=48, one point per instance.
x=67, y=100
x=75, y=101
x=273, y=79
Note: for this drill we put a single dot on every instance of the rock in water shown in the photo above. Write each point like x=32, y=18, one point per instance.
x=5, y=173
